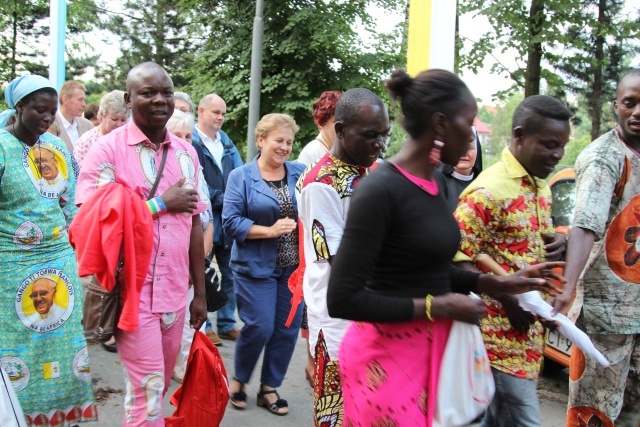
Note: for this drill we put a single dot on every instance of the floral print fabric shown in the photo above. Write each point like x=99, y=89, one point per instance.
x=503, y=214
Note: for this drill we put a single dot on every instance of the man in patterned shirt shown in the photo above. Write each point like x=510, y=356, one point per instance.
x=325, y=190
x=506, y=214
x=604, y=247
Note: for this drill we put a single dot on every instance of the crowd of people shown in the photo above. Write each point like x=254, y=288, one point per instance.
x=371, y=260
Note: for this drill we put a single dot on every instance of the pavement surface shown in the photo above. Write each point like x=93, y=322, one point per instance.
x=108, y=382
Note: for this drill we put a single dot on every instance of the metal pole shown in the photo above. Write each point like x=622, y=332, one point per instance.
x=58, y=29
x=256, y=77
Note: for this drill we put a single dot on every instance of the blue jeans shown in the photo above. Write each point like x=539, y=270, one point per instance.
x=263, y=306
x=515, y=403
x=226, y=315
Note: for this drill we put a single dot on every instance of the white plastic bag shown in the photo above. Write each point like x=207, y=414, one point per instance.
x=10, y=411
x=466, y=385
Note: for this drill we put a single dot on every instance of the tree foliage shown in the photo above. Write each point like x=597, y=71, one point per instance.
x=24, y=28
x=148, y=30
x=528, y=29
x=598, y=55
x=309, y=47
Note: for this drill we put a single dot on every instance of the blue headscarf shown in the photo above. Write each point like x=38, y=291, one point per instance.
x=18, y=89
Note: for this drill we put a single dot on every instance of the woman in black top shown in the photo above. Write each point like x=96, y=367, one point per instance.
x=394, y=268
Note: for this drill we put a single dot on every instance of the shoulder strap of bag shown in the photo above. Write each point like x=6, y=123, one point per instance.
x=159, y=174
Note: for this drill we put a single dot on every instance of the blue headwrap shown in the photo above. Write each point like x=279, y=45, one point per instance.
x=18, y=89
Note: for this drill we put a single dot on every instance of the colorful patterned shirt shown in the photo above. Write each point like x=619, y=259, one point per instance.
x=608, y=203
x=503, y=214
x=126, y=156
x=325, y=191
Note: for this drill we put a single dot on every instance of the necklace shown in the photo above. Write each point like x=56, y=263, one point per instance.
x=31, y=156
x=279, y=191
x=321, y=140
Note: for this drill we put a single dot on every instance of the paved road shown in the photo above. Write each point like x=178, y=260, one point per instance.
x=108, y=383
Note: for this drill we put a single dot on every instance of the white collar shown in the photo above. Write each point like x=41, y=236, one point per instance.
x=461, y=177
x=66, y=123
x=205, y=137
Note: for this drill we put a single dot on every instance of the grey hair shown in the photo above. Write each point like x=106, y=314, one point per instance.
x=113, y=102
x=180, y=120
x=182, y=96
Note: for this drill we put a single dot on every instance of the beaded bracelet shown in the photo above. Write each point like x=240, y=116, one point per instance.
x=428, y=306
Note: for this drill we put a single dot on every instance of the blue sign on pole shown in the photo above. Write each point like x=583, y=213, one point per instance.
x=58, y=31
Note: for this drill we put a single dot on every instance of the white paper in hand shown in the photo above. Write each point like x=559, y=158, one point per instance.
x=533, y=302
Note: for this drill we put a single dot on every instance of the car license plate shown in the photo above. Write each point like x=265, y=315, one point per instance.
x=556, y=340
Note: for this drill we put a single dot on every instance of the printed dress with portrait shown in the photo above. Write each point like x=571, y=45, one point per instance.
x=325, y=191
x=43, y=349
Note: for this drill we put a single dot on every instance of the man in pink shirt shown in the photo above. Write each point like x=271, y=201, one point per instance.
x=131, y=155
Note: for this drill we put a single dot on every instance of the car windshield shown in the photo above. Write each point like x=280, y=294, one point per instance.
x=564, y=202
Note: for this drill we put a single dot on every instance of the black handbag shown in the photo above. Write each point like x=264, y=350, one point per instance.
x=102, y=308
x=216, y=298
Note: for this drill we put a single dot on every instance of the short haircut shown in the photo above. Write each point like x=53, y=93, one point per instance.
x=113, y=102
x=431, y=91
x=632, y=73
x=347, y=106
x=182, y=96
x=273, y=121
x=532, y=112
x=180, y=120
x=144, y=69
x=205, y=102
x=69, y=86
x=325, y=107
x=91, y=111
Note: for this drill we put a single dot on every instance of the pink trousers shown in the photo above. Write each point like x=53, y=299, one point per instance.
x=149, y=355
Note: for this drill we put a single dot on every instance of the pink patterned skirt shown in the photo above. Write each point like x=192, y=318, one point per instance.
x=390, y=372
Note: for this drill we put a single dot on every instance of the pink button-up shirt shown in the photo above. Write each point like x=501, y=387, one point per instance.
x=126, y=156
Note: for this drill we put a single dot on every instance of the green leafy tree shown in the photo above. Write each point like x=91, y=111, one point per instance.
x=21, y=25
x=500, y=130
x=150, y=30
x=309, y=47
x=530, y=29
x=24, y=27
x=602, y=42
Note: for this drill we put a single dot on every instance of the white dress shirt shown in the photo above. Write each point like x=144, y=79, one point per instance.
x=214, y=146
x=71, y=128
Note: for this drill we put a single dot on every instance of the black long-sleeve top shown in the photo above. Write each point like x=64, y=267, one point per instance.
x=397, y=245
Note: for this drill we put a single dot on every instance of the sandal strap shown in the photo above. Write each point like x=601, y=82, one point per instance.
x=281, y=403
x=239, y=396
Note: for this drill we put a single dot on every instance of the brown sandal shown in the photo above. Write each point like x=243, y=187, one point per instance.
x=274, y=407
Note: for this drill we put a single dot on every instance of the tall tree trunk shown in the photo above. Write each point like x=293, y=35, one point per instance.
x=457, y=44
x=595, y=104
x=159, y=36
x=534, y=56
x=14, y=41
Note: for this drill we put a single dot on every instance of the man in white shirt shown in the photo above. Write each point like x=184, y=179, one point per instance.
x=69, y=123
x=218, y=157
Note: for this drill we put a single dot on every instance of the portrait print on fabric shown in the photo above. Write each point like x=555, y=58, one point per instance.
x=47, y=169
x=45, y=300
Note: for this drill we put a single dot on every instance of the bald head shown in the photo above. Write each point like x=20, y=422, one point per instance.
x=150, y=96
x=211, y=113
x=143, y=70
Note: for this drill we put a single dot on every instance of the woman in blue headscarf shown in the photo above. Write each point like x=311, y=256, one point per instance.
x=42, y=349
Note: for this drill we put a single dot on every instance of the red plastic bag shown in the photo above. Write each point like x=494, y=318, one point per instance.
x=203, y=396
